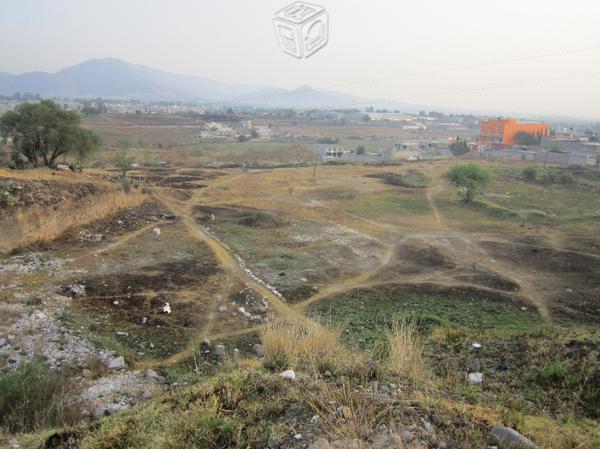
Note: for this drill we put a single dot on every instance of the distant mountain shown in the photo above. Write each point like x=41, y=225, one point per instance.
x=113, y=78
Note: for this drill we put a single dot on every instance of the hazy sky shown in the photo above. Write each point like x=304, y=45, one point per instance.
x=234, y=41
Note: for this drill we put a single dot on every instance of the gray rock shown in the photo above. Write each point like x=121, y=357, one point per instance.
x=408, y=437
x=475, y=378
x=100, y=411
x=222, y=309
x=288, y=375
x=3, y=342
x=116, y=363
x=236, y=353
x=154, y=376
x=507, y=438
x=258, y=350
x=220, y=350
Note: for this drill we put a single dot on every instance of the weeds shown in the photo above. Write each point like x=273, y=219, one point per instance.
x=33, y=398
x=301, y=343
x=406, y=352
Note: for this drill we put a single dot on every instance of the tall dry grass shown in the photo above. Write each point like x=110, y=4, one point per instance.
x=345, y=411
x=299, y=342
x=406, y=352
x=39, y=224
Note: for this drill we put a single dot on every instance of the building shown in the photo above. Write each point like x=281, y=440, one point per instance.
x=500, y=133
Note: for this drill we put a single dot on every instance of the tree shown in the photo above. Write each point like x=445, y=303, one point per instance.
x=44, y=131
x=360, y=150
x=470, y=179
x=458, y=148
x=242, y=138
x=254, y=134
x=123, y=161
x=525, y=138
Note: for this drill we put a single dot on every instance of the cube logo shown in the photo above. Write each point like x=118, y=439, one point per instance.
x=302, y=29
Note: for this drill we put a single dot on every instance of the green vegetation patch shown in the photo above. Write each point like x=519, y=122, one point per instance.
x=368, y=313
x=389, y=205
x=234, y=410
x=412, y=180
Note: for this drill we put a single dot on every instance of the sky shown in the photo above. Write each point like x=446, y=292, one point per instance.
x=553, y=47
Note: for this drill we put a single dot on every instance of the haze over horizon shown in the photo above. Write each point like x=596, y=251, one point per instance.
x=235, y=43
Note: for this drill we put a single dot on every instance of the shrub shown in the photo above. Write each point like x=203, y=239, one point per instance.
x=530, y=174
x=6, y=198
x=566, y=178
x=33, y=397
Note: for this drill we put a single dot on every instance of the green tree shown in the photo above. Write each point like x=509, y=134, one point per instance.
x=44, y=131
x=360, y=150
x=458, y=148
x=470, y=179
x=525, y=138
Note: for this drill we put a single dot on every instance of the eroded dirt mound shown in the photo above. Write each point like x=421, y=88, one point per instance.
x=245, y=216
x=44, y=193
x=106, y=229
x=491, y=280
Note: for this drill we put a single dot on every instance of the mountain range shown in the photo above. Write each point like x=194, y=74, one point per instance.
x=113, y=78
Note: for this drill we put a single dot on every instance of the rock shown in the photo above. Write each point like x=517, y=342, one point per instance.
x=147, y=394
x=121, y=334
x=222, y=309
x=258, y=350
x=156, y=231
x=154, y=376
x=236, y=353
x=168, y=216
x=256, y=319
x=261, y=310
x=116, y=363
x=427, y=426
x=443, y=445
x=166, y=308
x=408, y=437
x=76, y=290
x=507, y=438
x=3, y=342
x=476, y=345
x=243, y=311
x=220, y=350
x=298, y=436
x=100, y=411
x=289, y=374
x=321, y=443
x=475, y=378
x=205, y=343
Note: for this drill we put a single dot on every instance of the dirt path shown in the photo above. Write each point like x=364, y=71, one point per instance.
x=434, y=209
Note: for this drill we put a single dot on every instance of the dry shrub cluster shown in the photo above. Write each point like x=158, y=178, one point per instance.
x=37, y=224
x=406, y=352
x=298, y=342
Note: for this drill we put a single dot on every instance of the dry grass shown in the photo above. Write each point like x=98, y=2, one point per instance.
x=299, y=342
x=39, y=224
x=406, y=352
x=346, y=411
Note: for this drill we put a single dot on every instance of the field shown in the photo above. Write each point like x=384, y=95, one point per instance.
x=190, y=258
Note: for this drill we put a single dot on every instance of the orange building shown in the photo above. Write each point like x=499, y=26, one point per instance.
x=503, y=132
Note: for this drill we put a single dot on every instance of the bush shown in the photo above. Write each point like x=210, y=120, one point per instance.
x=6, y=198
x=32, y=398
x=530, y=174
x=566, y=178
